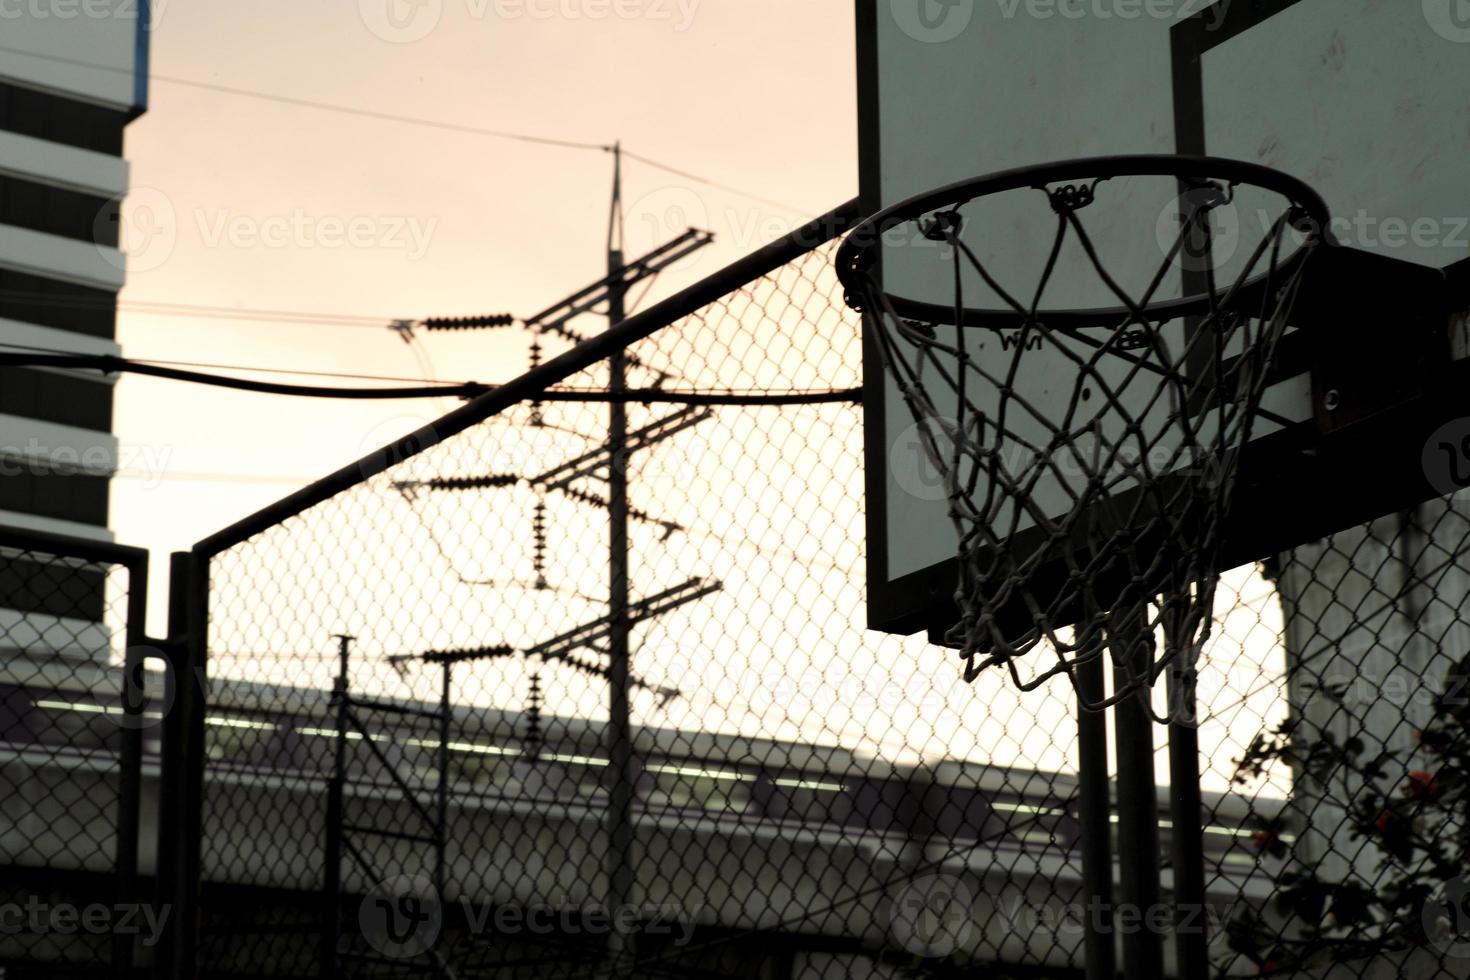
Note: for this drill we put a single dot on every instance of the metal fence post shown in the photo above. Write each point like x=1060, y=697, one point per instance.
x=181, y=794
x=1094, y=814
x=130, y=754
x=332, y=872
x=1191, y=936
x=1138, y=805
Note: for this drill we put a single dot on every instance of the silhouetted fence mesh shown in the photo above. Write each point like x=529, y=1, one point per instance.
x=808, y=798
x=71, y=756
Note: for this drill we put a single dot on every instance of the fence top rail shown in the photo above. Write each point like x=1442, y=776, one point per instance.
x=536, y=381
x=66, y=546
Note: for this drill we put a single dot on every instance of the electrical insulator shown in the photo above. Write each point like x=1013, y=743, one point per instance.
x=489, y=322
x=471, y=482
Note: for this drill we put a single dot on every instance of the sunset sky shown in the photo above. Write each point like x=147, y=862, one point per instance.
x=254, y=204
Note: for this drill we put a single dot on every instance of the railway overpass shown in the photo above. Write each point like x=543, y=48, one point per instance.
x=742, y=840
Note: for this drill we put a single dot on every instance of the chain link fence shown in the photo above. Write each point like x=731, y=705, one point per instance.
x=410, y=732
x=72, y=742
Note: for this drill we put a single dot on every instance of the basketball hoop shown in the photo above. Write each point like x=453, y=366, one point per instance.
x=1096, y=488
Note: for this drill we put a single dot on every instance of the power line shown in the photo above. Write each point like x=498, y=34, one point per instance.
x=244, y=367
x=245, y=313
x=666, y=168
x=316, y=104
x=382, y=116
x=182, y=371
x=409, y=121
x=205, y=311
x=158, y=308
x=111, y=364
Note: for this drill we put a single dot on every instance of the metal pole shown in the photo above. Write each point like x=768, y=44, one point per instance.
x=1138, y=809
x=332, y=871
x=441, y=832
x=181, y=804
x=619, y=730
x=130, y=755
x=1191, y=935
x=1095, y=816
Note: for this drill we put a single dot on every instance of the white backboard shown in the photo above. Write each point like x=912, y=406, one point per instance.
x=1369, y=103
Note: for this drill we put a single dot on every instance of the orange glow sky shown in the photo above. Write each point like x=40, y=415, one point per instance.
x=755, y=94
x=232, y=197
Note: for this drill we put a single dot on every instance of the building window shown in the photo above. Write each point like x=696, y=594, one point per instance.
x=62, y=120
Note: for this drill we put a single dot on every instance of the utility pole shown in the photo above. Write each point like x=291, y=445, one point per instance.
x=620, y=949
x=608, y=636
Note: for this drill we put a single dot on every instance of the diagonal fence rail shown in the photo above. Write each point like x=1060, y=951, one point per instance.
x=808, y=798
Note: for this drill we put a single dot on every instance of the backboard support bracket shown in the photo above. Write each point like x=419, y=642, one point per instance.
x=1379, y=329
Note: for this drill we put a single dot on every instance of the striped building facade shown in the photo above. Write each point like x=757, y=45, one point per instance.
x=73, y=75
